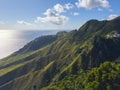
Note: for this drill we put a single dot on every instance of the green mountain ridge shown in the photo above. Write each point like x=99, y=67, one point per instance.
x=49, y=59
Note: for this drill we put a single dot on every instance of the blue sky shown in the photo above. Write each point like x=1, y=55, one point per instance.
x=54, y=14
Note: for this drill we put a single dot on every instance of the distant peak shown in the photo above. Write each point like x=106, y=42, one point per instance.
x=117, y=18
x=93, y=20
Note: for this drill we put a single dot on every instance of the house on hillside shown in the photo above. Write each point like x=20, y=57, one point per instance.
x=116, y=34
x=113, y=35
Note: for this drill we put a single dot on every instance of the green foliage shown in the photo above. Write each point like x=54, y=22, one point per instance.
x=104, y=77
x=92, y=86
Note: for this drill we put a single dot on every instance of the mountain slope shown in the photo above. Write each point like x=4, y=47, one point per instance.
x=104, y=77
x=37, y=43
x=49, y=59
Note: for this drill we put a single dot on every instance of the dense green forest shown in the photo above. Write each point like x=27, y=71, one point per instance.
x=83, y=59
x=104, y=77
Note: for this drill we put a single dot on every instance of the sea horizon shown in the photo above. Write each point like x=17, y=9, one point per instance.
x=13, y=40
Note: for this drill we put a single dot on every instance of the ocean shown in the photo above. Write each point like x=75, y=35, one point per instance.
x=13, y=40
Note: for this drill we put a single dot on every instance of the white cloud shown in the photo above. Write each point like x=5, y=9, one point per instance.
x=89, y=4
x=49, y=12
x=75, y=13
x=112, y=16
x=68, y=6
x=52, y=17
x=59, y=8
x=58, y=20
x=23, y=22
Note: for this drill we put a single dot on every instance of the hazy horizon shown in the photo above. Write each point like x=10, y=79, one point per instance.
x=13, y=40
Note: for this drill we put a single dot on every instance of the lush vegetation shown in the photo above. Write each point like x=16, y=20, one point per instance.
x=105, y=77
x=56, y=61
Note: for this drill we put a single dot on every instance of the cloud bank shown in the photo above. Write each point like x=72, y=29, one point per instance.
x=23, y=22
x=112, y=16
x=54, y=15
x=90, y=4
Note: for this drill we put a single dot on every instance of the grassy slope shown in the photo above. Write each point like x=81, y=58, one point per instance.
x=52, y=62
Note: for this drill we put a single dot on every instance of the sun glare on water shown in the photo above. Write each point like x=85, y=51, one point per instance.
x=9, y=42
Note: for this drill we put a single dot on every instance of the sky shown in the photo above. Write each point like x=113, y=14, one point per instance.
x=54, y=14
